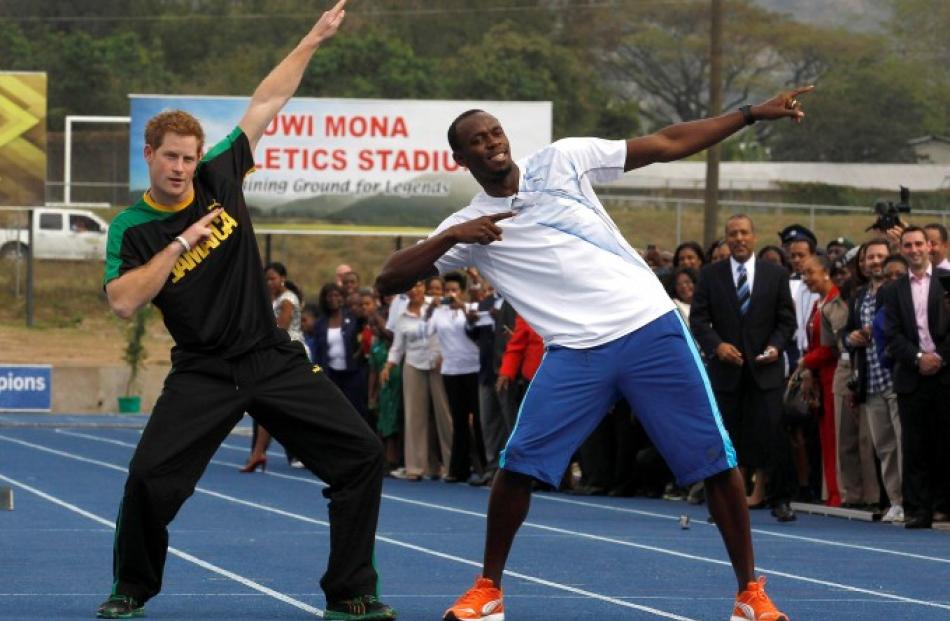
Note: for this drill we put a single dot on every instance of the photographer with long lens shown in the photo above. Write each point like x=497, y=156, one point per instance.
x=889, y=220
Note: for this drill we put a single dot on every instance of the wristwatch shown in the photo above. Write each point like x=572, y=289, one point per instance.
x=918, y=358
x=746, y=111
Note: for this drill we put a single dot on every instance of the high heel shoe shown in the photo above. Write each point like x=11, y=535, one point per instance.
x=252, y=465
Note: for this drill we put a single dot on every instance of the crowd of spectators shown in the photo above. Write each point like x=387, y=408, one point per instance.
x=861, y=334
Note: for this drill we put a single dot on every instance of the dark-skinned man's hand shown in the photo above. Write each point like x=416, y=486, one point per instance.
x=785, y=104
x=484, y=230
x=727, y=352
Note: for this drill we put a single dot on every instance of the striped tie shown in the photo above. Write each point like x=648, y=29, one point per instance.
x=742, y=290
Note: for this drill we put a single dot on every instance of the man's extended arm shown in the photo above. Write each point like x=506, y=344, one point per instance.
x=684, y=139
x=282, y=82
x=409, y=265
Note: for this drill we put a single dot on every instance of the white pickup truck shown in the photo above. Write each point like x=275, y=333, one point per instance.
x=58, y=233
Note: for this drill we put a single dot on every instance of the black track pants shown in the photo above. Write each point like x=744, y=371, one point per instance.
x=203, y=398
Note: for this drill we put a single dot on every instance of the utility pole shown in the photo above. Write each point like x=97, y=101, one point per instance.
x=714, y=153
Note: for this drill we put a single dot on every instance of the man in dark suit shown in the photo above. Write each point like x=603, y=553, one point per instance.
x=743, y=318
x=918, y=341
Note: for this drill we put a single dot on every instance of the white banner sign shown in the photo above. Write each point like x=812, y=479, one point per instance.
x=362, y=161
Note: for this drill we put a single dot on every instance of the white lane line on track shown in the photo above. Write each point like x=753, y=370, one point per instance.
x=396, y=542
x=758, y=531
x=600, y=538
x=640, y=512
x=174, y=551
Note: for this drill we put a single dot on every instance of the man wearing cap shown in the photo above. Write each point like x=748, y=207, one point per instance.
x=799, y=244
x=837, y=247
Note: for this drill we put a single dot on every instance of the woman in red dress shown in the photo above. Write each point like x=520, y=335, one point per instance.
x=821, y=360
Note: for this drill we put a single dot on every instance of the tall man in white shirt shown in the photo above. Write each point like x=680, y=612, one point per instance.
x=609, y=326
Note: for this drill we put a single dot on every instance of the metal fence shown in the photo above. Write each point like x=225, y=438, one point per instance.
x=685, y=216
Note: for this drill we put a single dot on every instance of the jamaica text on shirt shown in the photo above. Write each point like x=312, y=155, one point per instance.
x=221, y=229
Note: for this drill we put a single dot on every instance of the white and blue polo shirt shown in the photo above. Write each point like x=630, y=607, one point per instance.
x=563, y=263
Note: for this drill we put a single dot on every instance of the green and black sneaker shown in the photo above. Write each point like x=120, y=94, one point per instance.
x=362, y=608
x=120, y=607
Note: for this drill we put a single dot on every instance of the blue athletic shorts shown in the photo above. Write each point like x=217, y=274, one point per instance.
x=657, y=369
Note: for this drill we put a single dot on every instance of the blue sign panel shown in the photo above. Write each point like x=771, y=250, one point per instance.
x=26, y=387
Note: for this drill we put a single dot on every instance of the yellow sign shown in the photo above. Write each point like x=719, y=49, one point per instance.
x=22, y=138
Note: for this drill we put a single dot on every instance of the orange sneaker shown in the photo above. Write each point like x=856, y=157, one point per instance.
x=754, y=605
x=482, y=602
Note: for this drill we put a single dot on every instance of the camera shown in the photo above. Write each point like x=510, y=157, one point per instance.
x=888, y=212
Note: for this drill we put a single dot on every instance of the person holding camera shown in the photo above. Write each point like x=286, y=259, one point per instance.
x=918, y=340
x=459, y=364
x=873, y=387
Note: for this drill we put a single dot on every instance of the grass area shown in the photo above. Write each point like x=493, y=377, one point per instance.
x=73, y=321
x=329, y=226
x=643, y=225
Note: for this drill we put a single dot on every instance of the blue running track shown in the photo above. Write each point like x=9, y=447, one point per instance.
x=254, y=546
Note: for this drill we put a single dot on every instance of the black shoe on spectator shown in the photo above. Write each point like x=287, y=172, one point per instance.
x=480, y=479
x=623, y=491
x=921, y=520
x=805, y=494
x=697, y=494
x=588, y=490
x=673, y=492
x=783, y=512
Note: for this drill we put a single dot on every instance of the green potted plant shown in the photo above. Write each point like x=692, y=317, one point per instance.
x=134, y=356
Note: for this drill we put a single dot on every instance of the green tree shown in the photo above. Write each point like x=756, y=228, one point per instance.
x=862, y=112
x=509, y=65
x=438, y=29
x=919, y=35
x=371, y=63
x=618, y=119
x=16, y=49
x=93, y=76
x=659, y=52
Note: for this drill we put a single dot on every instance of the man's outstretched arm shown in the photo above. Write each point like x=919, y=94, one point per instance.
x=407, y=266
x=282, y=82
x=684, y=139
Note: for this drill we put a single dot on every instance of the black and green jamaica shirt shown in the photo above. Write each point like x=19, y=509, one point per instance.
x=215, y=301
